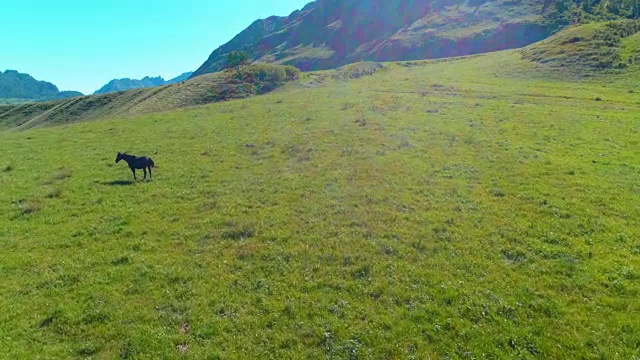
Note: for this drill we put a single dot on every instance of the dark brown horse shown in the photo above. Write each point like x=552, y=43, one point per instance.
x=137, y=162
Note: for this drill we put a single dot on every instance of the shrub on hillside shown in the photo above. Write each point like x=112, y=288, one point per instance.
x=255, y=79
x=560, y=13
x=266, y=77
x=237, y=60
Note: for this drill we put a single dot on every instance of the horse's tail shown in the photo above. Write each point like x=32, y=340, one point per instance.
x=151, y=163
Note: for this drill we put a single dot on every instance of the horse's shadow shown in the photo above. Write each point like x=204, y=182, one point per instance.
x=118, y=183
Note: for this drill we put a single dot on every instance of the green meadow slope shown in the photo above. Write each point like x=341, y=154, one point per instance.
x=481, y=207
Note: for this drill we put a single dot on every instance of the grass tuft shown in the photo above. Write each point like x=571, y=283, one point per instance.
x=30, y=207
x=128, y=351
x=238, y=233
x=88, y=350
x=122, y=260
x=54, y=193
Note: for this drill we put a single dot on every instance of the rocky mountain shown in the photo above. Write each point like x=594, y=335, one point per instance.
x=16, y=85
x=179, y=78
x=330, y=33
x=128, y=84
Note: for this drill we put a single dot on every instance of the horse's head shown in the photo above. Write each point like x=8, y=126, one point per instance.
x=118, y=157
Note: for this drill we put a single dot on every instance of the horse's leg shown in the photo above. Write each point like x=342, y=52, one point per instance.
x=149, y=172
x=145, y=173
x=134, y=174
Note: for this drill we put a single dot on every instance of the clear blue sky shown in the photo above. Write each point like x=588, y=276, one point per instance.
x=82, y=44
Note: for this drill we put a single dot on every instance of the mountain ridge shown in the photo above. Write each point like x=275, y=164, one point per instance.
x=24, y=87
x=331, y=33
x=147, y=81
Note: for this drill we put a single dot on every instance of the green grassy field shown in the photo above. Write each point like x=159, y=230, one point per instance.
x=463, y=209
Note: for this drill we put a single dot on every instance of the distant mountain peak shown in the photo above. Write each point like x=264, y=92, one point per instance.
x=21, y=86
x=147, y=81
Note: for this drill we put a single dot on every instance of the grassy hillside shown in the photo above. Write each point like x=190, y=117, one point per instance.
x=587, y=49
x=469, y=208
x=258, y=79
